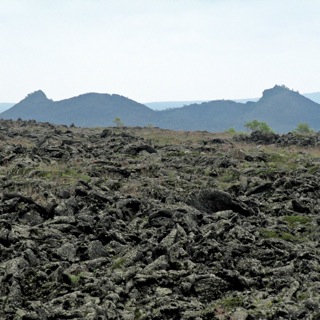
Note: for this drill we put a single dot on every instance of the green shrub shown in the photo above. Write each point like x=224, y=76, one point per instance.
x=231, y=131
x=303, y=128
x=256, y=125
x=118, y=122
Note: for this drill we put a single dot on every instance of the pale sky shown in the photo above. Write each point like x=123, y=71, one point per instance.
x=158, y=50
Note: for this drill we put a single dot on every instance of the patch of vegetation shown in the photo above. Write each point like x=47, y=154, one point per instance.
x=74, y=279
x=62, y=174
x=18, y=170
x=313, y=169
x=229, y=176
x=277, y=157
x=230, y=303
x=282, y=160
x=256, y=125
x=161, y=137
x=220, y=307
x=118, y=122
x=118, y=263
x=176, y=153
x=139, y=315
x=273, y=234
x=293, y=221
x=303, y=296
x=231, y=131
x=303, y=128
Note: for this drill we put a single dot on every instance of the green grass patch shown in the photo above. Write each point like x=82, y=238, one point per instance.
x=118, y=263
x=229, y=175
x=63, y=175
x=313, y=169
x=303, y=296
x=283, y=160
x=230, y=303
x=273, y=234
x=74, y=279
x=294, y=221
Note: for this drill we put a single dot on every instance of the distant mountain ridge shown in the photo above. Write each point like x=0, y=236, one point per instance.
x=90, y=109
x=280, y=107
x=162, y=105
x=283, y=109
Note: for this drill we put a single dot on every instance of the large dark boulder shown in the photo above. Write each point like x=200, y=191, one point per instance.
x=214, y=200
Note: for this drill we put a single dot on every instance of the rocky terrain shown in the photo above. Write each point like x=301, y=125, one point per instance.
x=143, y=223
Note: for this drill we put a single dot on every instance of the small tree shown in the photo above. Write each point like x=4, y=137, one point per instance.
x=303, y=128
x=231, y=131
x=256, y=125
x=117, y=121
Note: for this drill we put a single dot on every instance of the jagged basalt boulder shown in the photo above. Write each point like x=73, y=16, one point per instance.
x=211, y=200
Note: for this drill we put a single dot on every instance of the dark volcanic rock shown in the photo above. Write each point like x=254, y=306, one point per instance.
x=111, y=226
x=282, y=140
x=210, y=201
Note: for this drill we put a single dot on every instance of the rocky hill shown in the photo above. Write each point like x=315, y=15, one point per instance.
x=281, y=108
x=213, y=116
x=143, y=223
x=162, y=105
x=91, y=110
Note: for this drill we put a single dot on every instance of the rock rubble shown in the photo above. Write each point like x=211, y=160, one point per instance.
x=131, y=223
